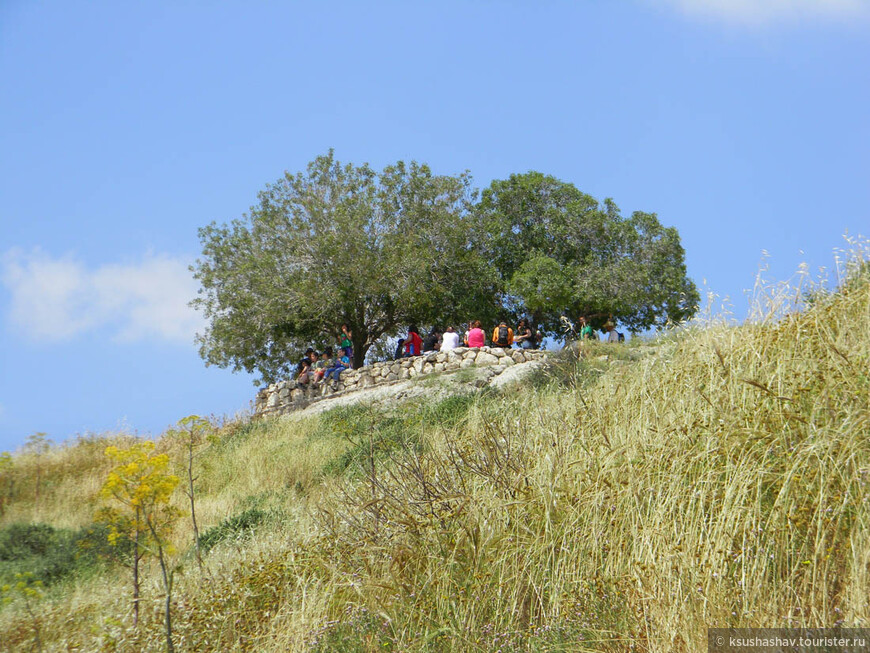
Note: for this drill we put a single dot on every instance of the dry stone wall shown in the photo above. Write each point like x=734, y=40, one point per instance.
x=286, y=396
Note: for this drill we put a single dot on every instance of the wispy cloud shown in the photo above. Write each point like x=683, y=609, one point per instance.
x=761, y=12
x=56, y=299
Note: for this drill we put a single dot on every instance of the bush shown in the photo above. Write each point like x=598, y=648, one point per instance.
x=21, y=541
x=238, y=525
x=51, y=554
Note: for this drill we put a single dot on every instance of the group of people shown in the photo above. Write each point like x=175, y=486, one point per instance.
x=317, y=368
x=586, y=332
x=502, y=336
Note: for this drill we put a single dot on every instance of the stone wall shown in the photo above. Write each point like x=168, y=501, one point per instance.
x=285, y=396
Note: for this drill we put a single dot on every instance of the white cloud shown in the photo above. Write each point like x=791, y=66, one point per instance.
x=760, y=12
x=58, y=298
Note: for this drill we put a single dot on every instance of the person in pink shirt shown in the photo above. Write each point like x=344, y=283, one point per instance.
x=475, y=336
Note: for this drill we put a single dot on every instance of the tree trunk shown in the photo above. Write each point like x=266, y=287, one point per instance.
x=359, y=349
x=536, y=320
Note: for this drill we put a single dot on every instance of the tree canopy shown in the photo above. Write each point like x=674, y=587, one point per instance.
x=340, y=243
x=558, y=251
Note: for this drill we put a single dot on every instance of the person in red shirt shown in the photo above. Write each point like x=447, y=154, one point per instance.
x=413, y=343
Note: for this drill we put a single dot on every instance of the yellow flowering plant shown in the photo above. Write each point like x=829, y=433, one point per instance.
x=140, y=488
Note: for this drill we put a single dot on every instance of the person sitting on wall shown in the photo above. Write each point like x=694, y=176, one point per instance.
x=305, y=373
x=400, y=346
x=413, y=343
x=523, y=336
x=431, y=342
x=323, y=364
x=502, y=335
x=475, y=336
x=337, y=368
x=450, y=339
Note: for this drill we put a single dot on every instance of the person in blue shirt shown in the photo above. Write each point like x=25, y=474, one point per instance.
x=340, y=366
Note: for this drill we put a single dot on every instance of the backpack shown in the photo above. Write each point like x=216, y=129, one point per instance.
x=502, y=336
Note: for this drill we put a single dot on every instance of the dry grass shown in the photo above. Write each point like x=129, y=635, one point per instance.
x=69, y=478
x=627, y=504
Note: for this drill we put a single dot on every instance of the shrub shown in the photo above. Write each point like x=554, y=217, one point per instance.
x=242, y=525
x=50, y=554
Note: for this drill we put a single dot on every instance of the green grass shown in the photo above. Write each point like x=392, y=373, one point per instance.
x=236, y=527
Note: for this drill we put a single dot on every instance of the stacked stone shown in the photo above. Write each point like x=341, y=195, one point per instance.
x=284, y=396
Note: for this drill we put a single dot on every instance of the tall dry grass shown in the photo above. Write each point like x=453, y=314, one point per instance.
x=715, y=477
x=723, y=482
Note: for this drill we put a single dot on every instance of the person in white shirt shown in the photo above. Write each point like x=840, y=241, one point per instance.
x=449, y=339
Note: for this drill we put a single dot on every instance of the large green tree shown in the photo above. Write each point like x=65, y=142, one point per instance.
x=559, y=251
x=337, y=244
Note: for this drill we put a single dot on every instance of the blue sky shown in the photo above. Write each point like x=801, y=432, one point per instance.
x=124, y=127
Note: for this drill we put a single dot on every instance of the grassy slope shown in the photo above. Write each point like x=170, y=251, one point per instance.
x=718, y=478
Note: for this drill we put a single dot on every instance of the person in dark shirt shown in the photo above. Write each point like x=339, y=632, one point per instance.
x=523, y=336
x=432, y=341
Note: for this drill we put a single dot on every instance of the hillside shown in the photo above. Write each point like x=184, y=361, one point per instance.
x=625, y=498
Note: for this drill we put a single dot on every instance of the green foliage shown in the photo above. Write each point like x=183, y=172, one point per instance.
x=373, y=434
x=237, y=526
x=51, y=554
x=337, y=244
x=22, y=540
x=544, y=285
x=449, y=412
x=379, y=250
x=558, y=251
x=374, y=438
